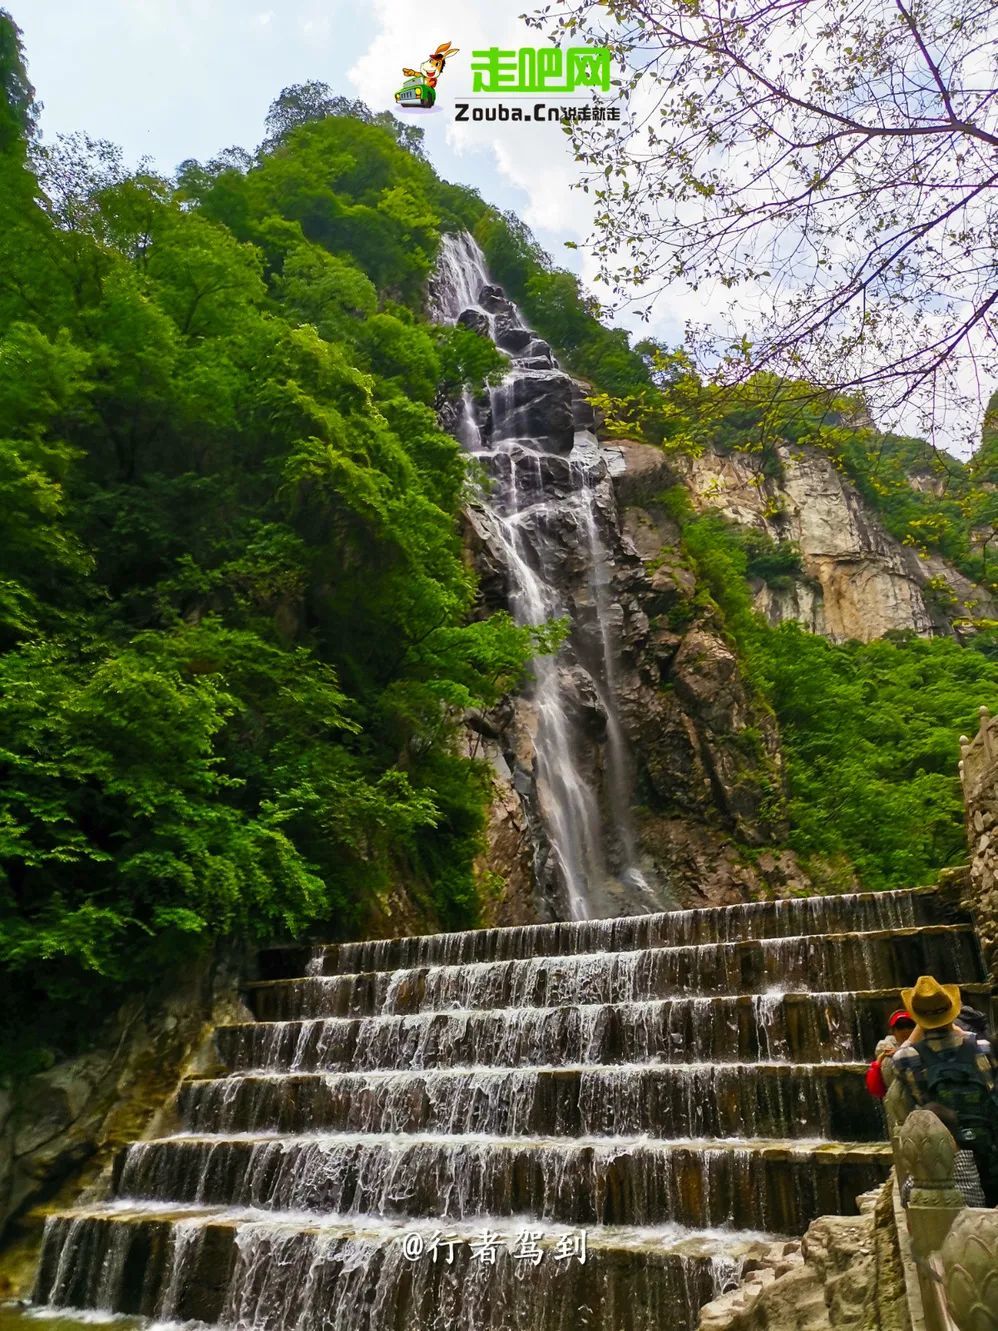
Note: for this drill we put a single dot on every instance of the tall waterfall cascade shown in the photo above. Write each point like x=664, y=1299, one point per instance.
x=431, y=1133
x=547, y=516
x=586, y=1124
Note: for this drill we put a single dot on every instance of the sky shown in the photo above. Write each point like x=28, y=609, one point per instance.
x=177, y=79
x=174, y=79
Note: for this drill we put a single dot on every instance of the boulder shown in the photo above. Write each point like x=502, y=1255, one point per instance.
x=672, y=583
x=582, y=701
x=547, y=475
x=535, y=406
x=639, y=471
x=534, y=363
x=493, y=298
x=586, y=415
x=509, y=333
x=847, y=1276
x=476, y=320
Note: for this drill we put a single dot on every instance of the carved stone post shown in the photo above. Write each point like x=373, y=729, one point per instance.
x=969, y=1260
x=926, y=1152
x=895, y=1109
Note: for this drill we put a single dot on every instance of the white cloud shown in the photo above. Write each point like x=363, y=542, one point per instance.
x=532, y=158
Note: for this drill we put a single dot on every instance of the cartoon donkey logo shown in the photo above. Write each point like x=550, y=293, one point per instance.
x=420, y=85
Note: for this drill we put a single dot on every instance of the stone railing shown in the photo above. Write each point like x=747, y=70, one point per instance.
x=979, y=774
x=949, y=1250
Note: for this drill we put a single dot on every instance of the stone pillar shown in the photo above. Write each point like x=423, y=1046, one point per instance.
x=969, y=1261
x=979, y=774
x=925, y=1151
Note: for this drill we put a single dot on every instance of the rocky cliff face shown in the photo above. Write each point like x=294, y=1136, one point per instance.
x=704, y=757
x=979, y=775
x=710, y=774
x=60, y=1128
x=858, y=581
x=637, y=769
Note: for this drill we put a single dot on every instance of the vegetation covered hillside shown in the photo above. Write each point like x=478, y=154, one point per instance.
x=234, y=615
x=237, y=632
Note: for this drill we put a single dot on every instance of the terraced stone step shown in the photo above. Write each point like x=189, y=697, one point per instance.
x=841, y=962
x=779, y=1185
x=856, y=912
x=723, y=1100
x=194, y=1265
x=800, y=1027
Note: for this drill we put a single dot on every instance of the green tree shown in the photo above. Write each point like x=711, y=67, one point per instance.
x=18, y=109
x=235, y=644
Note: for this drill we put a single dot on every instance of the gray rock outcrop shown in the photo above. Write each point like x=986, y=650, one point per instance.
x=844, y=1275
x=859, y=581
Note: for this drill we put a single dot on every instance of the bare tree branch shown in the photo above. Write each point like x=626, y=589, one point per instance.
x=832, y=163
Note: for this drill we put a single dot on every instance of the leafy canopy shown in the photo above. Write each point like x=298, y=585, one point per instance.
x=237, y=633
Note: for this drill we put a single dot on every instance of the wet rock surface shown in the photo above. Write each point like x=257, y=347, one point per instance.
x=537, y=406
x=544, y=536
x=641, y=742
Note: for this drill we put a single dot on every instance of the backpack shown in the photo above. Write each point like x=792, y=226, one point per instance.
x=875, y=1083
x=954, y=1080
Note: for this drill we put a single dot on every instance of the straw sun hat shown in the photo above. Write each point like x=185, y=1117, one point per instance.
x=932, y=1004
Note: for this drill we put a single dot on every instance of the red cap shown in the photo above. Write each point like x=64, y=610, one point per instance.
x=902, y=1014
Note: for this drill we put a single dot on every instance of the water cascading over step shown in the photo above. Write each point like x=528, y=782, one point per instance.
x=662, y=1094
x=591, y=1123
x=547, y=518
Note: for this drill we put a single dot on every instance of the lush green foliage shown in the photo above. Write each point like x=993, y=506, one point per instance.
x=869, y=732
x=868, y=729
x=568, y=318
x=235, y=628
x=925, y=497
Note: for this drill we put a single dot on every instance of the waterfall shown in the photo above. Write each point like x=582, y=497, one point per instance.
x=663, y=1095
x=651, y=1100
x=542, y=515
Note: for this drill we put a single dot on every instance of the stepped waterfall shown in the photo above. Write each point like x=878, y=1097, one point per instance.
x=586, y=1123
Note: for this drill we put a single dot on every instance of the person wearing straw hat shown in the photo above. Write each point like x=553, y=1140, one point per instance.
x=953, y=1072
